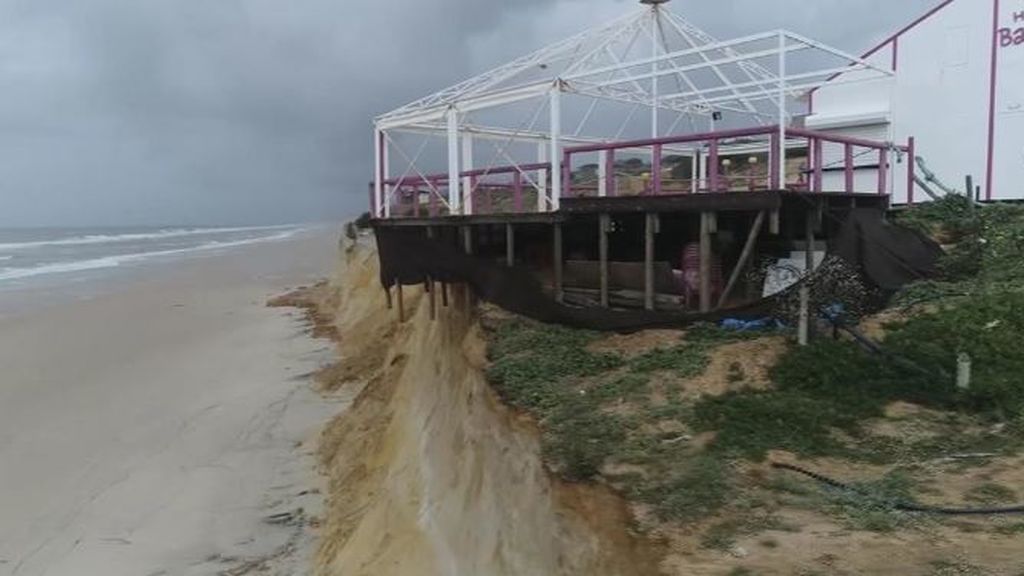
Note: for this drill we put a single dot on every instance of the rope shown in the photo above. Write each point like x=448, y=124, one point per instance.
x=899, y=505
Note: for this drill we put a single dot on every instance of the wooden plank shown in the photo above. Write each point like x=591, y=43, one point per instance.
x=716, y=202
x=741, y=265
x=602, y=237
x=705, y=262
x=559, y=256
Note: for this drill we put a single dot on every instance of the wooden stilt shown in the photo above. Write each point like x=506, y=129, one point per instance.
x=558, y=262
x=401, y=302
x=650, y=229
x=705, y=261
x=387, y=294
x=741, y=265
x=467, y=240
x=444, y=294
x=604, y=223
x=432, y=296
x=804, y=328
x=510, y=245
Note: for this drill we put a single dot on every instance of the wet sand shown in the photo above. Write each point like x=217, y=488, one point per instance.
x=154, y=429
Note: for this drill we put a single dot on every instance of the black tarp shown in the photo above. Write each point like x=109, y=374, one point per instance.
x=887, y=255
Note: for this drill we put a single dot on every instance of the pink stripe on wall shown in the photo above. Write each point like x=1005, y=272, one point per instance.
x=993, y=83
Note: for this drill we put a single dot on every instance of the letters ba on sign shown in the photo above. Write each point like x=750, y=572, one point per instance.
x=1012, y=36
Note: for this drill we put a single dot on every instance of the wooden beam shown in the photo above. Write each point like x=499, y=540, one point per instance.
x=603, y=224
x=650, y=229
x=741, y=265
x=705, y=261
x=804, y=327
x=559, y=262
x=430, y=293
x=510, y=245
x=401, y=302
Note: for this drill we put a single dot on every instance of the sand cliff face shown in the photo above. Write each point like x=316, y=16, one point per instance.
x=429, y=474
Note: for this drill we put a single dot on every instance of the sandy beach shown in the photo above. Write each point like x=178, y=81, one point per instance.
x=165, y=426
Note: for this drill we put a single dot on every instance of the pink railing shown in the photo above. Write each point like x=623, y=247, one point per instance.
x=504, y=189
x=809, y=178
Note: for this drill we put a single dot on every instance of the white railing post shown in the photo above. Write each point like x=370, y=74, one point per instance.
x=556, y=146
x=542, y=177
x=454, y=198
x=782, y=110
x=467, y=164
x=378, y=174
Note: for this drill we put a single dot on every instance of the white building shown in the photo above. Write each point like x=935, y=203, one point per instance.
x=958, y=89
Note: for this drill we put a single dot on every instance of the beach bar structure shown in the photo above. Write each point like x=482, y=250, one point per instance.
x=642, y=157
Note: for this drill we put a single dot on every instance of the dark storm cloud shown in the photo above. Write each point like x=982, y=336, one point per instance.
x=226, y=111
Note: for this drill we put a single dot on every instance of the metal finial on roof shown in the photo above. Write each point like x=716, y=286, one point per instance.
x=654, y=2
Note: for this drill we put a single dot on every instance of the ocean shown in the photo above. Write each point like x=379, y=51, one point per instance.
x=35, y=257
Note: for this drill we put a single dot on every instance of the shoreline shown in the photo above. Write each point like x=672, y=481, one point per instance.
x=166, y=425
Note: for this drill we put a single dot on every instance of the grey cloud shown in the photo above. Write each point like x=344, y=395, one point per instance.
x=239, y=111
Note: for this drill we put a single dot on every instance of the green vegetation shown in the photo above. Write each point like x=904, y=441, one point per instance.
x=631, y=420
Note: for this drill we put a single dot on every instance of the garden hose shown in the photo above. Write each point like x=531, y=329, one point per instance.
x=897, y=505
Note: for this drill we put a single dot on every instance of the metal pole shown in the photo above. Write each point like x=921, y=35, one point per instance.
x=454, y=198
x=542, y=177
x=467, y=164
x=782, y=109
x=556, y=146
x=379, y=208
x=655, y=17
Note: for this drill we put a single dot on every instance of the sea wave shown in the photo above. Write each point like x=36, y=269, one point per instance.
x=130, y=237
x=115, y=261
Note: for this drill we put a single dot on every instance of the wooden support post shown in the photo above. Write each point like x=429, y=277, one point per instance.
x=510, y=245
x=558, y=262
x=650, y=229
x=705, y=261
x=774, y=223
x=444, y=294
x=428, y=286
x=467, y=239
x=387, y=294
x=804, y=328
x=604, y=223
x=741, y=265
x=401, y=302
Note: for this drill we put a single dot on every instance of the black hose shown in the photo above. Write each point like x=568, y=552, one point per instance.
x=901, y=506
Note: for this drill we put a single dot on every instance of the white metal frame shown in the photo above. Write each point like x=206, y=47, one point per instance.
x=750, y=77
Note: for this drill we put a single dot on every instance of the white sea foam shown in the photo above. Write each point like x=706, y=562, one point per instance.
x=115, y=261
x=130, y=237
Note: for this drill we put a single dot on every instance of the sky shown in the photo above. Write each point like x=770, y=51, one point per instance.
x=208, y=112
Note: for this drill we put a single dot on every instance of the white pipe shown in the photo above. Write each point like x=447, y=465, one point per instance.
x=454, y=199
x=467, y=164
x=378, y=184
x=542, y=177
x=556, y=146
x=782, y=109
x=655, y=14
